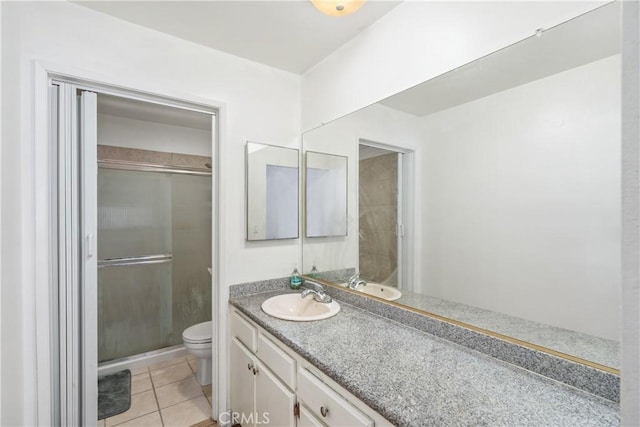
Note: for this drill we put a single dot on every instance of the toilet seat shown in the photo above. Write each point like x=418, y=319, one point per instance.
x=198, y=334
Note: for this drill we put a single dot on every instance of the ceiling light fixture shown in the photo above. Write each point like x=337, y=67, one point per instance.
x=337, y=7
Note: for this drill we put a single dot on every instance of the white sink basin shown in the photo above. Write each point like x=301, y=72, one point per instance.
x=294, y=307
x=380, y=291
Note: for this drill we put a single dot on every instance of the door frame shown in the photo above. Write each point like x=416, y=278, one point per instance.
x=44, y=206
x=406, y=183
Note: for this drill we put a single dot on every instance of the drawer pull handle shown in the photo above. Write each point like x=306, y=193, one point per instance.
x=255, y=371
x=249, y=366
x=324, y=411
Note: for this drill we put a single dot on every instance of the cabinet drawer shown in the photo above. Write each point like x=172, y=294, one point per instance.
x=242, y=329
x=327, y=405
x=277, y=360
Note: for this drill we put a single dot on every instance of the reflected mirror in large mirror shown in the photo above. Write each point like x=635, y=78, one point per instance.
x=272, y=192
x=492, y=193
x=325, y=195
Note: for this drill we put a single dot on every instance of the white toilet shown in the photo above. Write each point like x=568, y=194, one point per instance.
x=197, y=339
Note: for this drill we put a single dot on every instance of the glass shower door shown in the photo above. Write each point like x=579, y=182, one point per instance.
x=154, y=246
x=134, y=267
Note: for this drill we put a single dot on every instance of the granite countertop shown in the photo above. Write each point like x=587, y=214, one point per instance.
x=413, y=378
x=588, y=347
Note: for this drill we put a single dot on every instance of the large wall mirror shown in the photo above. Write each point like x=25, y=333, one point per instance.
x=272, y=192
x=491, y=194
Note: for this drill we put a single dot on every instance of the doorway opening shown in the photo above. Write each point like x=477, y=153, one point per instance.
x=136, y=239
x=154, y=228
x=383, y=183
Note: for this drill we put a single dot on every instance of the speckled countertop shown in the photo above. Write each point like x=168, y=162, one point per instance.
x=599, y=350
x=416, y=379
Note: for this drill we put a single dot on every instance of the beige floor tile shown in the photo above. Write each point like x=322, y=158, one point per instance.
x=166, y=363
x=191, y=357
x=101, y=423
x=187, y=413
x=140, y=383
x=150, y=420
x=171, y=374
x=193, y=364
x=178, y=392
x=139, y=371
x=141, y=404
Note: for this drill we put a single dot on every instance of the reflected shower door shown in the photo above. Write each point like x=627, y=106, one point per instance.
x=154, y=246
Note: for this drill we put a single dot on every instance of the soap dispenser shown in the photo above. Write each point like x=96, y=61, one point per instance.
x=314, y=272
x=295, y=281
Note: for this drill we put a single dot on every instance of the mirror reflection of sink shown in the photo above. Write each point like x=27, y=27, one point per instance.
x=381, y=291
x=293, y=307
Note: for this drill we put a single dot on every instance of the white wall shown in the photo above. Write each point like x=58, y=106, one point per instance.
x=261, y=103
x=146, y=135
x=521, y=201
x=416, y=41
x=1, y=227
x=376, y=123
x=630, y=381
x=12, y=386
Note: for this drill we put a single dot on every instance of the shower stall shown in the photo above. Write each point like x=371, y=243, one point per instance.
x=154, y=232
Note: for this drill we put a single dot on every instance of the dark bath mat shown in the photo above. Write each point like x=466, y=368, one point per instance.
x=114, y=394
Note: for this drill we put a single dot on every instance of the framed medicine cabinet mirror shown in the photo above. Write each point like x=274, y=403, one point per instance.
x=325, y=195
x=272, y=192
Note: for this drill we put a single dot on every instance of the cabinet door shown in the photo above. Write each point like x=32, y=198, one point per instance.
x=307, y=419
x=274, y=401
x=242, y=385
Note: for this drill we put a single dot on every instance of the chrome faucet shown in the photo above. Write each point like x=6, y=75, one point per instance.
x=355, y=281
x=317, y=290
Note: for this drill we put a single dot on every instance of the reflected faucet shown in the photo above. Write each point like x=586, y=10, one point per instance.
x=355, y=281
x=317, y=290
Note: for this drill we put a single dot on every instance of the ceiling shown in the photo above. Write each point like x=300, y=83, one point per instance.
x=290, y=35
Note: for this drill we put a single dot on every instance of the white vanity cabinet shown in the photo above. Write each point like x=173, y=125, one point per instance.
x=273, y=385
x=258, y=396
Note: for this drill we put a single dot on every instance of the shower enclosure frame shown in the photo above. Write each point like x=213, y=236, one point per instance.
x=65, y=377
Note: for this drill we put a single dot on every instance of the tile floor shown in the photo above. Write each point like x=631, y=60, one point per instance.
x=166, y=394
